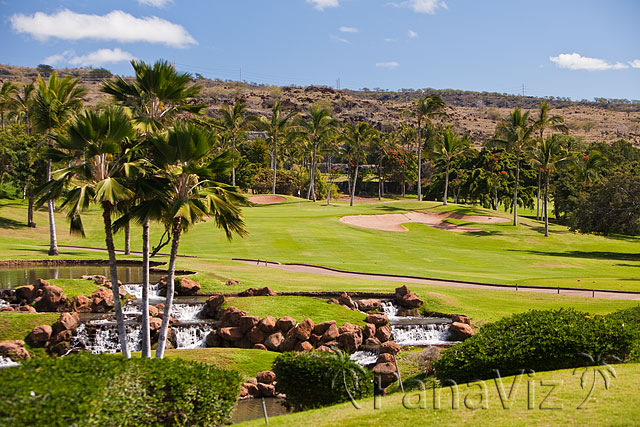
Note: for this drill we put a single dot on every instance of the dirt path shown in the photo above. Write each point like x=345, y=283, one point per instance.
x=327, y=271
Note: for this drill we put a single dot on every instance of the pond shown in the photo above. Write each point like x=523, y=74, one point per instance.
x=251, y=409
x=15, y=276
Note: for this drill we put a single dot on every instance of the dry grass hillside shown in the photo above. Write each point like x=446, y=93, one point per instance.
x=471, y=112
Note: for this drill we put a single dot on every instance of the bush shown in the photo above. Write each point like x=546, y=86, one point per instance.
x=107, y=390
x=316, y=379
x=538, y=340
x=630, y=318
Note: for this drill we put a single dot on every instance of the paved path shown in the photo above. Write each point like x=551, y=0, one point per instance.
x=327, y=271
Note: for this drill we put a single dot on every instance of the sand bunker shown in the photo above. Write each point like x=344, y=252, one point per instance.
x=393, y=222
x=266, y=199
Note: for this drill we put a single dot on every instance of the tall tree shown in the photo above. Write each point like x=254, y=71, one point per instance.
x=515, y=133
x=194, y=194
x=275, y=127
x=356, y=139
x=427, y=108
x=234, y=123
x=24, y=101
x=54, y=104
x=93, y=146
x=446, y=148
x=546, y=156
x=543, y=122
x=318, y=130
x=8, y=91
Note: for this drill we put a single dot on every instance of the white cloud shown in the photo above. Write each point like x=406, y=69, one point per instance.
x=635, y=63
x=390, y=40
x=155, y=3
x=339, y=39
x=390, y=65
x=348, y=29
x=421, y=6
x=575, y=61
x=116, y=25
x=413, y=34
x=322, y=4
x=96, y=58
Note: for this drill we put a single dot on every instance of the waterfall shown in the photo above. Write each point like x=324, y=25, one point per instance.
x=389, y=310
x=186, y=312
x=192, y=336
x=365, y=358
x=5, y=362
x=420, y=335
x=136, y=290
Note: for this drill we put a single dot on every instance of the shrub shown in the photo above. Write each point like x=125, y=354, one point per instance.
x=316, y=379
x=539, y=340
x=630, y=318
x=98, y=390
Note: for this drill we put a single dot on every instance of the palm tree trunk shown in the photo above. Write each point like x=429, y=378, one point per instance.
x=113, y=269
x=538, y=197
x=515, y=190
x=419, y=160
x=275, y=164
x=146, y=332
x=546, y=213
x=312, y=175
x=353, y=188
x=349, y=178
x=127, y=239
x=30, y=222
x=379, y=181
x=446, y=186
x=233, y=170
x=53, y=240
x=164, y=328
x=495, y=196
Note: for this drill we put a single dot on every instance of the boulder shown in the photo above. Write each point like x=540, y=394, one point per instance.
x=232, y=282
x=369, y=330
x=231, y=334
x=385, y=374
x=187, y=287
x=267, y=324
x=81, y=304
x=14, y=350
x=304, y=347
x=102, y=300
x=154, y=328
x=231, y=316
x=402, y=291
x=99, y=280
x=26, y=293
x=348, y=327
x=290, y=343
x=302, y=331
x=322, y=327
x=267, y=390
x=66, y=322
x=259, y=346
x=461, y=318
x=273, y=341
x=50, y=300
x=346, y=300
x=248, y=322
x=372, y=343
x=212, y=306
x=213, y=339
x=255, y=292
x=350, y=340
x=383, y=333
x=315, y=339
x=6, y=309
x=256, y=335
x=410, y=301
x=153, y=311
x=460, y=331
x=330, y=334
x=385, y=358
x=26, y=309
x=377, y=319
x=285, y=323
x=59, y=348
x=244, y=393
x=252, y=389
x=369, y=304
x=266, y=377
x=40, y=335
x=324, y=348
x=390, y=347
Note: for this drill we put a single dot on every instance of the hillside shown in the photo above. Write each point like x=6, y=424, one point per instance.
x=475, y=113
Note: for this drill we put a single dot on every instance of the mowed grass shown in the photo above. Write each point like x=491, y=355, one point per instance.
x=299, y=308
x=554, y=401
x=16, y=326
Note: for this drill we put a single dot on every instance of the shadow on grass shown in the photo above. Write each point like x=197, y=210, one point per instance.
x=614, y=256
x=11, y=223
x=483, y=233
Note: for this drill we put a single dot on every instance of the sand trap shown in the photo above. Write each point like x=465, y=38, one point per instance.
x=266, y=199
x=393, y=222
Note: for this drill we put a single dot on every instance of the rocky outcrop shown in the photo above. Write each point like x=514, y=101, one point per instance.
x=406, y=298
x=14, y=350
x=460, y=331
x=40, y=335
x=62, y=331
x=264, y=385
x=183, y=286
x=255, y=292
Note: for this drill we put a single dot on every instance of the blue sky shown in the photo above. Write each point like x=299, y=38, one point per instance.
x=579, y=49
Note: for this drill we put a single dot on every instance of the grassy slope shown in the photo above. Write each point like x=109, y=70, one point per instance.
x=16, y=326
x=616, y=406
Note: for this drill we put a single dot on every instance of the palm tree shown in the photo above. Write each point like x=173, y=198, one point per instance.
x=380, y=147
x=319, y=130
x=7, y=102
x=356, y=139
x=24, y=101
x=427, y=108
x=587, y=167
x=515, y=132
x=547, y=155
x=54, y=104
x=234, y=122
x=274, y=127
x=447, y=147
x=543, y=122
x=180, y=155
x=93, y=145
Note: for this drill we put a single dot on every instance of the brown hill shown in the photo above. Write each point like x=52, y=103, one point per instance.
x=475, y=113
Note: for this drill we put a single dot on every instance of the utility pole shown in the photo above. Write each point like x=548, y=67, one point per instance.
x=240, y=74
x=523, y=90
x=338, y=83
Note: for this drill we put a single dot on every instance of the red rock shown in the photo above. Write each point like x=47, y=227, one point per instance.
x=273, y=341
x=266, y=377
x=289, y=344
x=410, y=301
x=256, y=335
x=14, y=350
x=315, y=339
x=102, y=300
x=322, y=327
x=461, y=318
x=40, y=335
x=213, y=305
x=369, y=330
x=302, y=331
x=460, y=331
x=26, y=309
x=231, y=334
x=348, y=327
x=377, y=319
x=331, y=333
x=81, y=304
x=369, y=304
x=324, y=348
x=99, y=280
x=390, y=347
x=26, y=293
x=285, y=323
x=66, y=322
x=385, y=358
x=213, y=339
x=187, y=287
x=402, y=291
x=40, y=283
x=372, y=343
x=259, y=346
x=252, y=389
x=248, y=322
x=267, y=324
x=243, y=391
x=255, y=292
x=383, y=333
x=350, y=340
x=267, y=390
x=232, y=282
x=304, y=346
x=7, y=309
x=385, y=373
x=153, y=311
x=231, y=316
x=346, y=300
x=50, y=299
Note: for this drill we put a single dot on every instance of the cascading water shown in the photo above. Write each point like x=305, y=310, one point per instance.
x=5, y=362
x=365, y=358
x=192, y=336
x=389, y=310
x=136, y=290
x=3, y=303
x=420, y=335
x=186, y=312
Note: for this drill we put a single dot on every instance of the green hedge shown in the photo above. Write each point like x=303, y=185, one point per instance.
x=109, y=390
x=540, y=340
x=316, y=379
x=630, y=318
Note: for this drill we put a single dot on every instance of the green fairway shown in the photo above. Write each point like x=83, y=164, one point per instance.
x=247, y=362
x=554, y=400
x=16, y=326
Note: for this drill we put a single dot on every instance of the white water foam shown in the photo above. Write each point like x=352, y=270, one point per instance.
x=5, y=362
x=186, y=312
x=136, y=290
x=365, y=358
x=389, y=309
x=193, y=336
x=421, y=335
